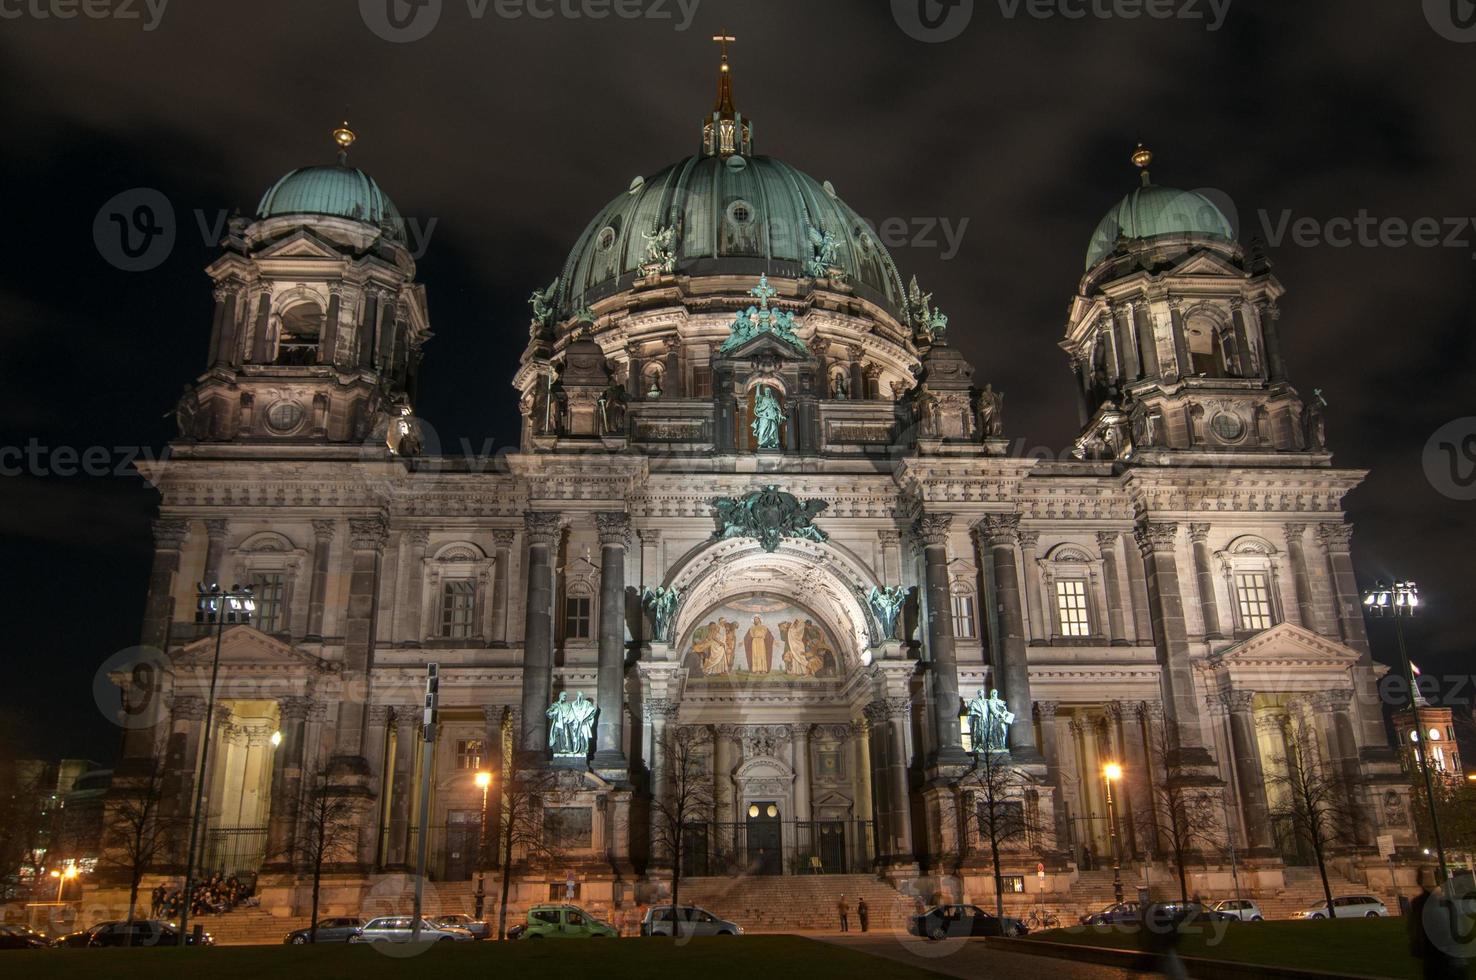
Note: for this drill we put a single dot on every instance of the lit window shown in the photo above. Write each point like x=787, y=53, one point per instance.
x=576, y=617
x=458, y=607
x=1071, y=604
x=963, y=616
x=268, y=588
x=469, y=753
x=702, y=382
x=1253, y=596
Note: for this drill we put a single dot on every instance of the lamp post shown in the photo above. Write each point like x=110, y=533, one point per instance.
x=1113, y=772
x=62, y=877
x=219, y=606
x=484, y=782
x=1401, y=601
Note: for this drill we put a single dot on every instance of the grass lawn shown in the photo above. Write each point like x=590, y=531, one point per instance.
x=1372, y=947
x=768, y=957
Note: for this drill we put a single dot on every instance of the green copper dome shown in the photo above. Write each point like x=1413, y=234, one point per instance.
x=1151, y=211
x=333, y=190
x=732, y=215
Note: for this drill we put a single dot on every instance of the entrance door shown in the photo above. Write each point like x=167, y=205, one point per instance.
x=832, y=847
x=765, y=842
x=462, y=832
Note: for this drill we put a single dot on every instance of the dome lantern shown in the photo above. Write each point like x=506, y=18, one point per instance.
x=725, y=132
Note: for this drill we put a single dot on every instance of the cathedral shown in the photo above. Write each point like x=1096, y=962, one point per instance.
x=761, y=539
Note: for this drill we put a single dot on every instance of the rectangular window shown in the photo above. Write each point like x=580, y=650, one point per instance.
x=576, y=617
x=269, y=588
x=469, y=753
x=458, y=608
x=1071, y=604
x=1253, y=595
x=702, y=382
x=963, y=616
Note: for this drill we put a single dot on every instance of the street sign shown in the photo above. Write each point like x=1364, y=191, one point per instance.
x=1386, y=846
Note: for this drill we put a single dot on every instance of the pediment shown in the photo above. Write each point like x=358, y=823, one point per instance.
x=1206, y=263
x=1287, y=645
x=301, y=244
x=248, y=648
x=765, y=345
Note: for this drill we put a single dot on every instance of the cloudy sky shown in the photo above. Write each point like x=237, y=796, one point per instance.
x=1010, y=122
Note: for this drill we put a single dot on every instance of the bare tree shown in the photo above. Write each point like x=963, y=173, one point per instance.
x=686, y=797
x=990, y=802
x=1183, y=807
x=525, y=794
x=1311, y=796
x=325, y=830
x=135, y=833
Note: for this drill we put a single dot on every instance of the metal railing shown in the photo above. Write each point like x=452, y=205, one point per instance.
x=234, y=850
x=779, y=847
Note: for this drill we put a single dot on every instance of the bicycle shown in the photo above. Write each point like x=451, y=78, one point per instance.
x=1042, y=918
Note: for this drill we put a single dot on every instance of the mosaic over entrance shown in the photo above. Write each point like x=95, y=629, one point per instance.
x=761, y=638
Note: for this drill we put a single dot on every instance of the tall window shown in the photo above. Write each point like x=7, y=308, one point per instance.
x=576, y=617
x=269, y=588
x=469, y=753
x=1071, y=604
x=702, y=382
x=1253, y=596
x=458, y=608
x=963, y=616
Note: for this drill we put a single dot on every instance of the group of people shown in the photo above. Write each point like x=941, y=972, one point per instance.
x=863, y=914
x=216, y=895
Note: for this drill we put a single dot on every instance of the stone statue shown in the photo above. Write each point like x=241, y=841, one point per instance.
x=930, y=415
x=661, y=603
x=543, y=308
x=190, y=417
x=989, y=721
x=1314, y=422
x=886, y=605
x=1144, y=424
x=824, y=254
x=991, y=413
x=661, y=252
x=840, y=389
x=768, y=416
x=611, y=405
x=762, y=319
x=937, y=326
x=918, y=305
x=571, y=726
x=769, y=515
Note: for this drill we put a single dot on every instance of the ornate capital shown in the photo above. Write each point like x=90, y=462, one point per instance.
x=1047, y=711
x=323, y=530
x=418, y=536
x=1238, y=701
x=1107, y=541
x=889, y=538
x=931, y=530
x=999, y=530
x=1335, y=537
x=1153, y=712
x=1029, y=540
x=543, y=527
x=614, y=528
x=1199, y=533
x=1295, y=533
x=649, y=535
x=1156, y=538
x=663, y=708
x=170, y=533
x=1326, y=702
x=188, y=707
x=379, y=715
x=217, y=528
x=367, y=533
x=294, y=708
x=504, y=537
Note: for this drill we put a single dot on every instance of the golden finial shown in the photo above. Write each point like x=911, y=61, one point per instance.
x=344, y=138
x=1142, y=157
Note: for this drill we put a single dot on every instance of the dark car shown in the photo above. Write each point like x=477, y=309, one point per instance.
x=949, y=921
x=1113, y=915
x=75, y=940
x=143, y=932
x=1186, y=913
x=19, y=937
x=329, y=931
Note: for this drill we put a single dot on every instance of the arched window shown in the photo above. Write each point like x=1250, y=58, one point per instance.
x=1249, y=565
x=579, y=612
x=300, y=334
x=1069, y=573
x=1206, y=349
x=653, y=380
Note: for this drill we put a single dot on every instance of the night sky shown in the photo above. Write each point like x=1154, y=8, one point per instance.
x=509, y=134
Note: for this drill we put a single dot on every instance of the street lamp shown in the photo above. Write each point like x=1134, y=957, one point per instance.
x=1401, y=601
x=62, y=877
x=218, y=606
x=484, y=782
x=1113, y=772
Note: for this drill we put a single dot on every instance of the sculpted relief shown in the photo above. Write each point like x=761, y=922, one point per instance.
x=761, y=638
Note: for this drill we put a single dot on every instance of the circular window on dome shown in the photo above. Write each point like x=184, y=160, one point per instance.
x=740, y=212
x=284, y=417
x=864, y=238
x=606, y=239
x=1228, y=427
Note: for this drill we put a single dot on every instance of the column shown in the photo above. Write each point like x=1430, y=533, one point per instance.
x=865, y=799
x=1147, y=339
x=889, y=719
x=1166, y=605
x=543, y=530
x=144, y=702
x=1000, y=533
x=367, y=537
x=1138, y=590
x=329, y=337
x=1136, y=776
x=494, y=762
x=1250, y=779
x=800, y=745
x=1247, y=367
x=614, y=530
x=218, y=355
x=417, y=540
x=1306, y=608
x=287, y=773
x=401, y=771
x=661, y=711
x=1107, y=542
x=1034, y=603
x=651, y=572
x=1336, y=540
x=217, y=531
x=722, y=775
x=318, y=588
x=1204, y=576
x=1152, y=716
x=1046, y=712
x=503, y=541
x=1271, y=337
x=673, y=380
x=931, y=532
x=1184, y=367
x=182, y=761
x=857, y=380
x=368, y=328
x=262, y=351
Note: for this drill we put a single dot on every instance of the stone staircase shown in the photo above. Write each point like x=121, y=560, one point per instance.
x=249, y=927
x=797, y=903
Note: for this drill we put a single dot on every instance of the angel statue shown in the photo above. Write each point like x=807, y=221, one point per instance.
x=887, y=604
x=661, y=603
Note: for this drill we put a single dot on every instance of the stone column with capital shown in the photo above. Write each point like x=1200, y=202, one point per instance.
x=999, y=534
x=400, y=770
x=502, y=541
x=1158, y=543
x=800, y=745
x=417, y=540
x=1205, y=578
x=1347, y=614
x=1250, y=777
x=889, y=718
x=1295, y=547
x=543, y=530
x=1270, y=316
x=217, y=531
x=287, y=775
x=1049, y=749
x=367, y=536
x=1034, y=606
x=147, y=702
x=1107, y=542
x=323, y=531
x=931, y=534
x=614, y=530
x=660, y=711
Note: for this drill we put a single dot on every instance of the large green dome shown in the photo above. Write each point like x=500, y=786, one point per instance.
x=333, y=190
x=1151, y=211
x=734, y=215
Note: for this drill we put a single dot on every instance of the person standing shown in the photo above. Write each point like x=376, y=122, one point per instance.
x=841, y=908
x=862, y=913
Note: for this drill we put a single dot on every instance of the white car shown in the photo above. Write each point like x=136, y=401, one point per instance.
x=1347, y=907
x=396, y=929
x=1242, y=908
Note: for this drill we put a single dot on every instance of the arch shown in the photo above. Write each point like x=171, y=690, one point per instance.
x=456, y=551
x=1069, y=553
x=267, y=541
x=1251, y=544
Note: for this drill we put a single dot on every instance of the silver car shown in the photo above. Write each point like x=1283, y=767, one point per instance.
x=479, y=929
x=1347, y=907
x=1242, y=908
x=689, y=921
x=397, y=929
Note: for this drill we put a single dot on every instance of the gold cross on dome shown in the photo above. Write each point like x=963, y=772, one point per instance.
x=725, y=40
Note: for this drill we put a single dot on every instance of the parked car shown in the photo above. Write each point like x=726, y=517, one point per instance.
x=1346, y=907
x=75, y=940
x=19, y=937
x=1113, y=915
x=1185, y=913
x=398, y=929
x=560, y=922
x=1242, y=908
x=338, y=930
x=478, y=929
x=143, y=932
x=690, y=921
x=949, y=921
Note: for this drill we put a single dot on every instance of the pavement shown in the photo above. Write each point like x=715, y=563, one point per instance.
x=969, y=959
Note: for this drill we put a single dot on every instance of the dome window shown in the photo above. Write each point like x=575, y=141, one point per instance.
x=302, y=329
x=284, y=417
x=606, y=241
x=740, y=212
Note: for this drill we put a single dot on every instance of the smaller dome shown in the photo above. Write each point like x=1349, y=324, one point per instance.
x=333, y=190
x=1150, y=212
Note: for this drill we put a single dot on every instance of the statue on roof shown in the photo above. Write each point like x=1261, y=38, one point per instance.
x=824, y=256
x=762, y=319
x=661, y=251
x=542, y=302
